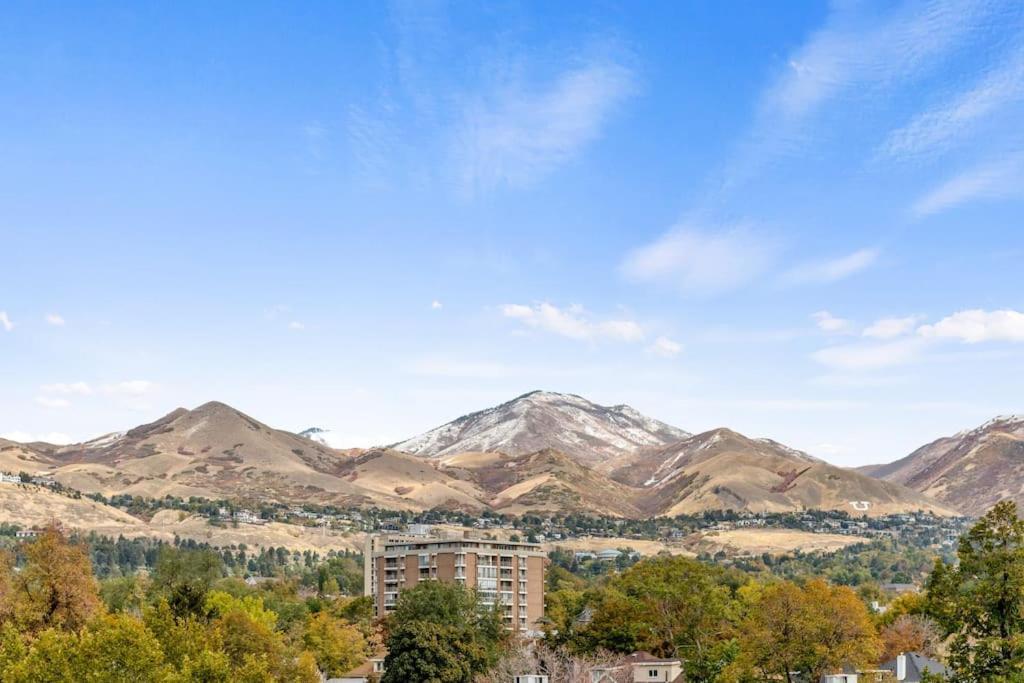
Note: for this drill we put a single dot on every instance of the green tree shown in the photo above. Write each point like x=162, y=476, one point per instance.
x=439, y=632
x=670, y=606
x=980, y=602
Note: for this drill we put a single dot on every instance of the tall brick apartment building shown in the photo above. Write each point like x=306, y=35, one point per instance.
x=508, y=572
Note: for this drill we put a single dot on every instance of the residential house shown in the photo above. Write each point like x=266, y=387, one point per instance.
x=906, y=668
x=910, y=667
x=370, y=670
x=639, y=667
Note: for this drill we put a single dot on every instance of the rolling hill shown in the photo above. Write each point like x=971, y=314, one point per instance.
x=539, y=452
x=722, y=469
x=971, y=470
x=212, y=451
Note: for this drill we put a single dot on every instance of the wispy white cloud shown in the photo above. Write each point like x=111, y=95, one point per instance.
x=831, y=270
x=296, y=325
x=573, y=322
x=856, y=51
x=701, y=261
x=134, y=387
x=5, y=322
x=52, y=402
x=976, y=325
x=511, y=120
x=67, y=388
x=665, y=347
x=518, y=133
x=54, y=319
x=436, y=305
x=890, y=328
x=936, y=129
x=827, y=322
x=900, y=343
x=995, y=180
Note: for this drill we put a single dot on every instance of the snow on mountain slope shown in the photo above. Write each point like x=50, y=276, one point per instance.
x=587, y=432
x=972, y=470
x=325, y=437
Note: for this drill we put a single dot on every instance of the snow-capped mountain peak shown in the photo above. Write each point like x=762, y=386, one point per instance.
x=586, y=431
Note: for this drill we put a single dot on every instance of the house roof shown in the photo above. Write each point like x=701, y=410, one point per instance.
x=917, y=664
x=647, y=658
x=364, y=669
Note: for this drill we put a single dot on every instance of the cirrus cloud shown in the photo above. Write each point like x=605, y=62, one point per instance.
x=831, y=270
x=696, y=260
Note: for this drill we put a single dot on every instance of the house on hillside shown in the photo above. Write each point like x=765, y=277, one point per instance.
x=638, y=668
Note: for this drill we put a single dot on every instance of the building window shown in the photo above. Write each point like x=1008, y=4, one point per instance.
x=652, y=673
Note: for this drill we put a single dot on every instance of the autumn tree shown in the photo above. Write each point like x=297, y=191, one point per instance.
x=56, y=587
x=980, y=601
x=337, y=645
x=909, y=633
x=810, y=629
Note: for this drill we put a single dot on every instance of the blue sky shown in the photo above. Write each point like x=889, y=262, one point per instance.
x=799, y=220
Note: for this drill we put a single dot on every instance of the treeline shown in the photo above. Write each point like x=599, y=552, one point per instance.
x=185, y=620
x=728, y=625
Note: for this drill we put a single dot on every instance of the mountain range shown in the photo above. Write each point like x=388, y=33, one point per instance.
x=971, y=470
x=542, y=451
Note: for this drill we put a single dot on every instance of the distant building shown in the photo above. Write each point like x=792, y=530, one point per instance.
x=502, y=572
x=644, y=667
x=248, y=517
x=26, y=533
